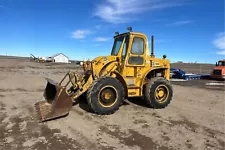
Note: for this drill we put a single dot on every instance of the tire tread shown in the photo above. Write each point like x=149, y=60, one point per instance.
x=148, y=88
x=91, y=89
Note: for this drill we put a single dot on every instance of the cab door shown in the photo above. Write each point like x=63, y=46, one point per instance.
x=135, y=63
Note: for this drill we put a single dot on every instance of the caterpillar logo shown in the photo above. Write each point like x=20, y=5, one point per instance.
x=155, y=64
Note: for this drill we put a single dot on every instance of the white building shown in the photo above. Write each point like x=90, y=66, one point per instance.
x=60, y=58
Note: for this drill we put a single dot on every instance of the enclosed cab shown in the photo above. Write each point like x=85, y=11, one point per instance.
x=219, y=70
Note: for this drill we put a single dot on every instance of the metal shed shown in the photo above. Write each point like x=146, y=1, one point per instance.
x=60, y=57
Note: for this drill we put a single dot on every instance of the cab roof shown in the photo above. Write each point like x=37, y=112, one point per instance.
x=128, y=33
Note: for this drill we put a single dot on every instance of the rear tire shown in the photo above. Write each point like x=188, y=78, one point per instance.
x=158, y=93
x=105, y=95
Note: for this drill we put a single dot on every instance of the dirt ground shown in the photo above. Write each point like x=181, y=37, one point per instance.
x=195, y=118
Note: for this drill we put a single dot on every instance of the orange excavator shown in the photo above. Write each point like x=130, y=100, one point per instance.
x=219, y=70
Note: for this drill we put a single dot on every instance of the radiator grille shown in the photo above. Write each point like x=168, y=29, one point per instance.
x=217, y=72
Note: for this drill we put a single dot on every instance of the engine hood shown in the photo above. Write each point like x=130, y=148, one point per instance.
x=99, y=63
x=104, y=59
x=219, y=67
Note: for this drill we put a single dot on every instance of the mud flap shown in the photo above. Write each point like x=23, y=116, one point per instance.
x=57, y=102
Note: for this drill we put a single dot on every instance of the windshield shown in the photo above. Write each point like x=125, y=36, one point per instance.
x=221, y=63
x=116, y=46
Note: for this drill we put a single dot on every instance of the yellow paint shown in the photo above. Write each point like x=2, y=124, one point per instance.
x=133, y=92
x=60, y=91
x=134, y=75
x=130, y=71
x=85, y=87
x=161, y=93
x=106, y=96
x=108, y=69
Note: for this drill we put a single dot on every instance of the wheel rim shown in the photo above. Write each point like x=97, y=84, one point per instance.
x=161, y=93
x=107, y=96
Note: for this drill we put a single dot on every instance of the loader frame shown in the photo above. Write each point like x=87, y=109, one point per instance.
x=137, y=79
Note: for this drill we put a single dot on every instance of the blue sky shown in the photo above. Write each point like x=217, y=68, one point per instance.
x=186, y=30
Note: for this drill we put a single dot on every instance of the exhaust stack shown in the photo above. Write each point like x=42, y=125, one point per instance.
x=152, y=46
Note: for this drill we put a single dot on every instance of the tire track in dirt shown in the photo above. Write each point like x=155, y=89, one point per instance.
x=212, y=138
x=133, y=138
x=139, y=126
x=137, y=121
x=35, y=137
x=24, y=132
x=80, y=130
x=119, y=133
x=101, y=124
x=131, y=111
x=178, y=125
x=92, y=122
x=205, y=114
x=21, y=90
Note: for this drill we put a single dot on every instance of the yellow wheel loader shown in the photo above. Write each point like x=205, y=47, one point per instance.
x=129, y=71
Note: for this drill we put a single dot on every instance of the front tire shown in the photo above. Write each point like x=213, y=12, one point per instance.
x=158, y=93
x=105, y=95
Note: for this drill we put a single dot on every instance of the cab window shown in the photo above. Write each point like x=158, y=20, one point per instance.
x=116, y=46
x=221, y=63
x=125, y=47
x=137, y=46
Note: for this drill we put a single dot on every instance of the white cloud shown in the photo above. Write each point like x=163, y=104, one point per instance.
x=179, y=23
x=219, y=43
x=101, y=39
x=221, y=52
x=80, y=34
x=118, y=11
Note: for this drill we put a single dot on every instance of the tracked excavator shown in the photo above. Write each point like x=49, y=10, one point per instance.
x=129, y=71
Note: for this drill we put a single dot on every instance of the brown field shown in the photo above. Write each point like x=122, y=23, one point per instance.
x=194, y=120
x=194, y=68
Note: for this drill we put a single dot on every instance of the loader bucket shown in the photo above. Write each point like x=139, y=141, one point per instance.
x=57, y=102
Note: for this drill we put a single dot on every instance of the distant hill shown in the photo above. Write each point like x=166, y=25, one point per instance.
x=194, y=67
x=187, y=67
x=12, y=57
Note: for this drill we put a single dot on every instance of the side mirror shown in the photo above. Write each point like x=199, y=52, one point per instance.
x=216, y=64
x=164, y=56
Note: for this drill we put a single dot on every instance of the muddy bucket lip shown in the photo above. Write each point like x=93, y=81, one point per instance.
x=56, y=108
x=51, y=81
x=43, y=115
